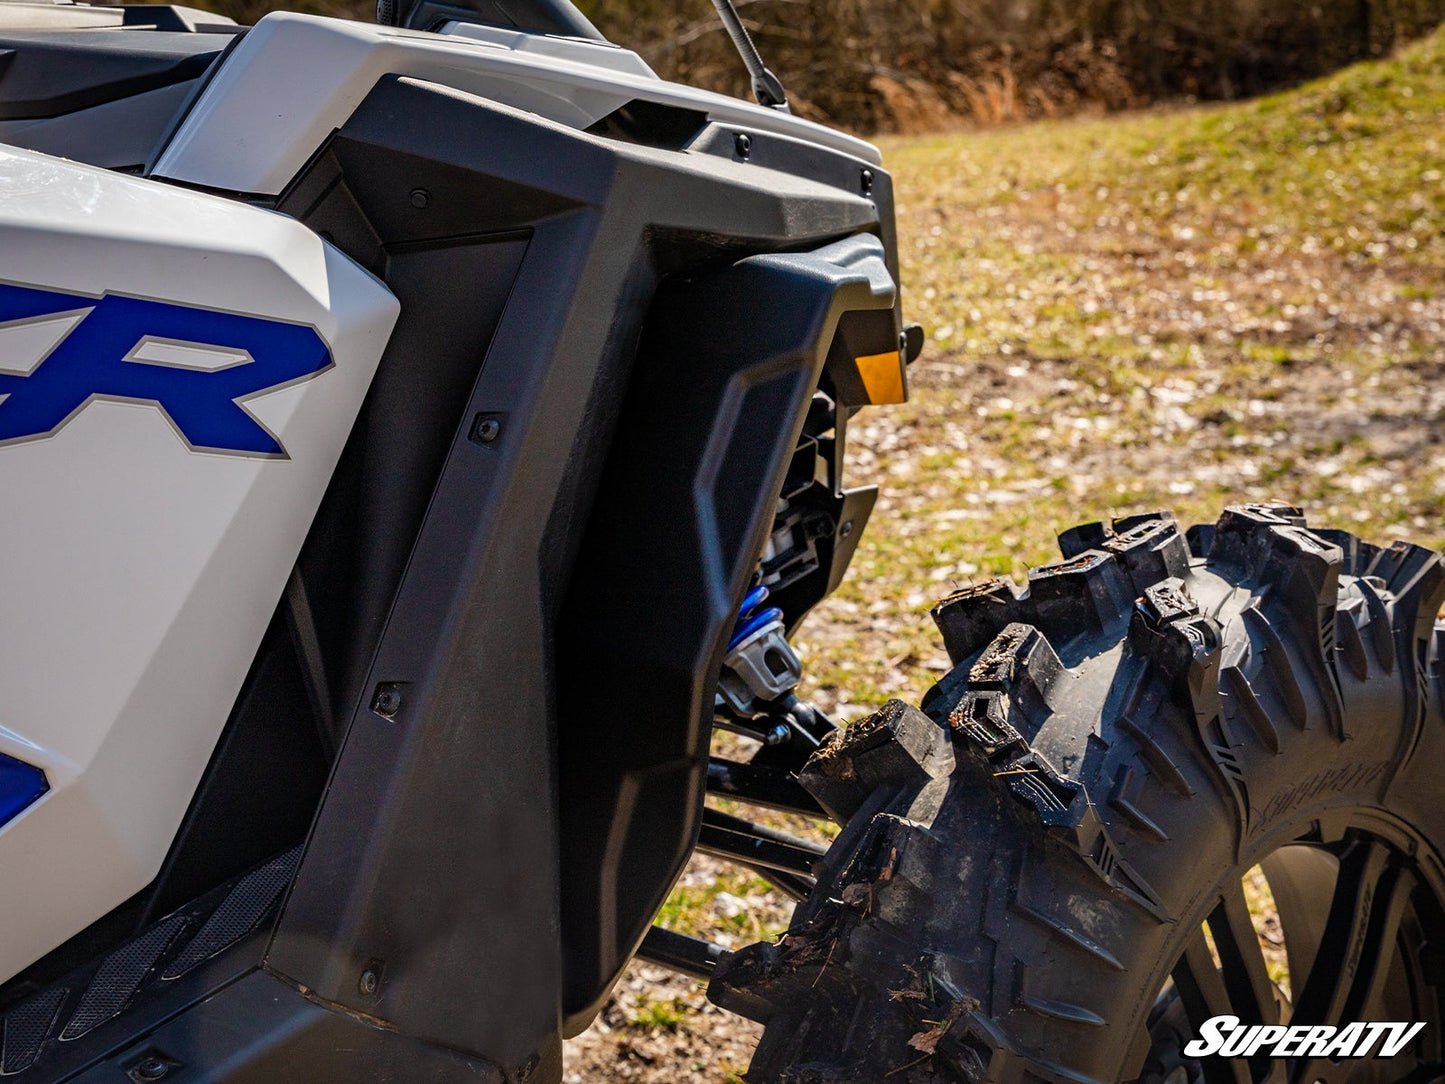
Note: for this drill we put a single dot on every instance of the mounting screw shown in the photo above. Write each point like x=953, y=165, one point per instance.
x=486, y=428
x=370, y=981
x=743, y=143
x=845, y=530
x=819, y=527
x=151, y=1068
x=867, y=179
x=387, y=701
x=420, y=198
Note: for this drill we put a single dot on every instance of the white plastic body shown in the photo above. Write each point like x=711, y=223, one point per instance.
x=294, y=79
x=138, y=575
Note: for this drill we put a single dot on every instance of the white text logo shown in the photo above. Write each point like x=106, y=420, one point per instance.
x=1226, y=1037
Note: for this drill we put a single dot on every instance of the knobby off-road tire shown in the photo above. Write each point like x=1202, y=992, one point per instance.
x=1028, y=863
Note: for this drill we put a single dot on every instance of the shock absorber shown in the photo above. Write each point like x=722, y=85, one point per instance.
x=760, y=667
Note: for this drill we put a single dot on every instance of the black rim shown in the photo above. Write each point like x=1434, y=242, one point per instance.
x=1361, y=928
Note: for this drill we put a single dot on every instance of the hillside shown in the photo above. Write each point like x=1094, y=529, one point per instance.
x=1176, y=309
x=1179, y=309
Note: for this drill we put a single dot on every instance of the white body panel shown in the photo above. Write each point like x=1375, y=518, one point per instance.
x=294, y=79
x=139, y=575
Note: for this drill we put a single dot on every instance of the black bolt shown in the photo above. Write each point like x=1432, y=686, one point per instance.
x=867, y=178
x=486, y=430
x=819, y=526
x=370, y=981
x=150, y=1069
x=845, y=530
x=387, y=701
x=744, y=144
x=420, y=198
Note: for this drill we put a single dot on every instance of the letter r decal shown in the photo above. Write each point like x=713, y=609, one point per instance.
x=99, y=359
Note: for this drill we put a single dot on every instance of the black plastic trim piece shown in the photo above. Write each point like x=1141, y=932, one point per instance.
x=434, y=857
x=258, y=1030
x=53, y=72
x=710, y=423
x=55, y=1029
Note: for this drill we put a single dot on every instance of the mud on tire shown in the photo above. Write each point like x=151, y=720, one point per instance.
x=1032, y=856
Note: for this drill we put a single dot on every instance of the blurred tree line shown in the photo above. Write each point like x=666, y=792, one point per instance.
x=918, y=64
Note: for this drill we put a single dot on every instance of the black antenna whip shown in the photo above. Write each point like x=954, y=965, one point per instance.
x=767, y=88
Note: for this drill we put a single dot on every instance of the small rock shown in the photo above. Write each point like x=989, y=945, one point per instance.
x=726, y=905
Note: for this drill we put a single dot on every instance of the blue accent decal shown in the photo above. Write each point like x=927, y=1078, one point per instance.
x=20, y=785
x=90, y=363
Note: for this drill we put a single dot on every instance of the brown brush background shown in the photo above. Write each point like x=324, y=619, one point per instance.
x=917, y=65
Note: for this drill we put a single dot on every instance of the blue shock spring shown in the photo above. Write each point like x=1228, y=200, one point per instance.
x=751, y=618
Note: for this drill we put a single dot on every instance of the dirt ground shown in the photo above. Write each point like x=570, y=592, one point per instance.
x=1181, y=311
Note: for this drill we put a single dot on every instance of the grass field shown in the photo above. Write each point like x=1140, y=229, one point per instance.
x=1179, y=309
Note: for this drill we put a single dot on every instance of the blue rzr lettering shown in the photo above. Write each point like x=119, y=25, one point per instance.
x=100, y=359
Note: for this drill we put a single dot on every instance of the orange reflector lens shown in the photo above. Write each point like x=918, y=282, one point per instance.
x=883, y=377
